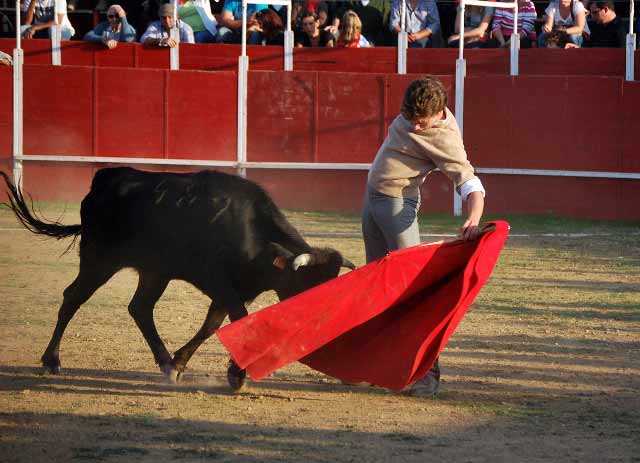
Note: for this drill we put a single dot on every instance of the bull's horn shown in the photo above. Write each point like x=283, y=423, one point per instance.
x=302, y=260
x=347, y=263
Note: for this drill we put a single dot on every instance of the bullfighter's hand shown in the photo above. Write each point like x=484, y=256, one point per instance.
x=469, y=231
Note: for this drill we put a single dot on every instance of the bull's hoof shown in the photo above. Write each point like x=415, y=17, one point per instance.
x=171, y=373
x=236, y=376
x=50, y=369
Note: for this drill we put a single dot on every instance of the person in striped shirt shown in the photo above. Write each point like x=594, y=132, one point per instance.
x=503, y=25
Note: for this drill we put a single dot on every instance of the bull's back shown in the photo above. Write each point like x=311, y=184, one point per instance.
x=178, y=217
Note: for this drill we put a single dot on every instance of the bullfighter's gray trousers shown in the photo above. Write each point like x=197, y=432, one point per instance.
x=388, y=223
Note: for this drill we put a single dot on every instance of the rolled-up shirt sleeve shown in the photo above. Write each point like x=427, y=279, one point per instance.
x=470, y=186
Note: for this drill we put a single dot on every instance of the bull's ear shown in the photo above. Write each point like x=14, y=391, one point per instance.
x=281, y=255
x=280, y=262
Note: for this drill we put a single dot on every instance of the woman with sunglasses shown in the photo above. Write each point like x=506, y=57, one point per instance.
x=115, y=29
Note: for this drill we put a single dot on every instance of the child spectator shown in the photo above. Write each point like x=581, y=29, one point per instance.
x=568, y=16
x=477, y=20
x=40, y=15
x=608, y=31
x=422, y=22
x=115, y=29
x=558, y=39
x=312, y=35
x=271, y=27
x=372, y=21
x=351, y=32
x=159, y=32
x=197, y=14
x=503, y=26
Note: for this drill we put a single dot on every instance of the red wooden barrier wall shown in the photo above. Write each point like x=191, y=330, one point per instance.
x=533, y=122
x=214, y=57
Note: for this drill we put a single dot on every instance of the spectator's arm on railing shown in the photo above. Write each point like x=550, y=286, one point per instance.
x=95, y=35
x=127, y=31
x=477, y=32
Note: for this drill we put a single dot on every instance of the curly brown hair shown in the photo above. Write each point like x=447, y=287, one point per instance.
x=425, y=97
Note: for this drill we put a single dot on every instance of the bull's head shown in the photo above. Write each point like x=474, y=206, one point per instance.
x=296, y=274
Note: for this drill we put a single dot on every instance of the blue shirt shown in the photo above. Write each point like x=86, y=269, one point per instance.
x=235, y=7
x=424, y=16
x=157, y=31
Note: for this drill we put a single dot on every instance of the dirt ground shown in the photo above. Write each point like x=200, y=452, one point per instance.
x=544, y=367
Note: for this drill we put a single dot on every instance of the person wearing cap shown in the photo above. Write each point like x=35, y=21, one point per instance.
x=158, y=32
x=115, y=29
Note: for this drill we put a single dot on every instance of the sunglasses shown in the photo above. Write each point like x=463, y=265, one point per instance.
x=112, y=16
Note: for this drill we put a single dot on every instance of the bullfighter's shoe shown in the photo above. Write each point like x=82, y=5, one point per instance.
x=428, y=386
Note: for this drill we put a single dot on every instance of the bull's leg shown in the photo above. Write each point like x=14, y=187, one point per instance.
x=89, y=279
x=150, y=288
x=215, y=317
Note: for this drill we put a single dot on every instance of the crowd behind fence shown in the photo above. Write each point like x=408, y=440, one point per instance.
x=317, y=23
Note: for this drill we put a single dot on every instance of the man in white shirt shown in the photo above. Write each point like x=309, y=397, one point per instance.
x=40, y=15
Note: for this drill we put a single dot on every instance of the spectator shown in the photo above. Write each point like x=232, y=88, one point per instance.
x=6, y=26
x=158, y=33
x=271, y=27
x=558, y=39
x=503, y=26
x=230, y=30
x=425, y=136
x=372, y=20
x=5, y=60
x=608, y=31
x=115, y=29
x=568, y=16
x=312, y=35
x=41, y=15
x=197, y=14
x=422, y=22
x=351, y=32
x=477, y=20
x=335, y=11
x=322, y=10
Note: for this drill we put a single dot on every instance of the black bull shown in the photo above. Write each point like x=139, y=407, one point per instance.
x=219, y=232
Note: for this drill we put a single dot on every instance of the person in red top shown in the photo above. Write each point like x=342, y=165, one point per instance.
x=351, y=32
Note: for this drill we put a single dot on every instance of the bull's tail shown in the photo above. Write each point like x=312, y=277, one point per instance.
x=33, y=223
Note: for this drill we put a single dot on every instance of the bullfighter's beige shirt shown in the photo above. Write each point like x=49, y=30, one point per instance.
x=406, y=157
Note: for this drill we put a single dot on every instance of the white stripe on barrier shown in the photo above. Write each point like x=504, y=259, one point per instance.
x=312, y=166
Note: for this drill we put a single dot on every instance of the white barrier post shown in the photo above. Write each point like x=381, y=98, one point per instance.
x=515, y=42
x=243, y=79
x=56, y=37
x=243, y=72
x=461, y=69
x=403, y=41
x=288, y=40
x=18, y=59
x=174, y=33
x=631, y=45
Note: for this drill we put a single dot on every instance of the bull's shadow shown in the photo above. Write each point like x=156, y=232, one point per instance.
x=136, y=383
